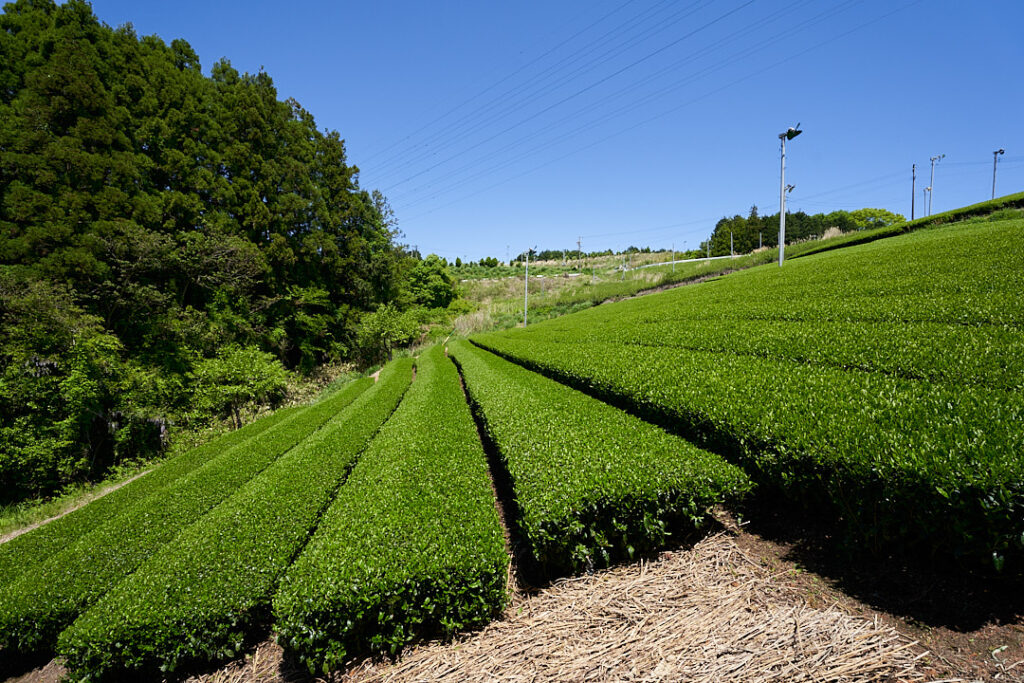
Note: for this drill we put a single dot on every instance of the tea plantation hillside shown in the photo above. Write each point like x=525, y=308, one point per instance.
x=878, y=387
x=879, y=384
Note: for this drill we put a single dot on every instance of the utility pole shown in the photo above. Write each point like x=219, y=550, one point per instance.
x=709, y=247
x=526, y=287
x=759, y=240
x=995, y=159
x=934, y=160
x=731, y=251
x=913, y=188
x=673, y=257
x=788, y=135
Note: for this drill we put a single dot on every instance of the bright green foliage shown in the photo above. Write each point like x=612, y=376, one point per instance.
x=430, y=283
x=237, y=377
x=593, y=484
x=384, y=329
x=24, y=553
x=59, y=373
x=881, y=384
x=201, y=595
x=174, y=214
x=37, y=607
x=412, y=545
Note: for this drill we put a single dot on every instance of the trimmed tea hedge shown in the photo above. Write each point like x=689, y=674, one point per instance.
x=37, y=607
x=24, y=553
x=1011, y=201
x=593, y=484
x=411, y=546
x=923, y=462
x=937, y=352
x=201, y=596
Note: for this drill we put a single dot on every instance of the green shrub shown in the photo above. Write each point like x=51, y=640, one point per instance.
x=411, y=546
x=593, y=484
x=204, y=593
x=38, y=606
x=236, y=378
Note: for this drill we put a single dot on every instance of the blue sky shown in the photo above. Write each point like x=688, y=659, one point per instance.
x=497, y=126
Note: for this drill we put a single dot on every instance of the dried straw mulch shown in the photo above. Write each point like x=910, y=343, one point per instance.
x=705, y=614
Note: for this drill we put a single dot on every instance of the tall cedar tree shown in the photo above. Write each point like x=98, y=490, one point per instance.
x=178, y=213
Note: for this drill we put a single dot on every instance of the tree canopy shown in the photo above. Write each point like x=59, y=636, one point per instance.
x=756, y=230
x=161, y=217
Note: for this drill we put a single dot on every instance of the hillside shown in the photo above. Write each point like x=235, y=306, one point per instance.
x=864, y=401
x=170, y=244
x=879, y=385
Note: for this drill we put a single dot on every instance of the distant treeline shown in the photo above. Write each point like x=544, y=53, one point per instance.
x=756, y=230
x=746, y=233
x=170, y=244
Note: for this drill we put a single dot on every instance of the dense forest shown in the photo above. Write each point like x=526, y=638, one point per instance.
x=172, y=244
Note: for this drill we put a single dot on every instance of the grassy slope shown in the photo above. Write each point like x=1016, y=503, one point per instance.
x=500, y=301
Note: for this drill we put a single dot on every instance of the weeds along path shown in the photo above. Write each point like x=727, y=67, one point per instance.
x=10, y=536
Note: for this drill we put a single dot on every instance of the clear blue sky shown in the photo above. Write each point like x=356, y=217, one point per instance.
x=631, y=122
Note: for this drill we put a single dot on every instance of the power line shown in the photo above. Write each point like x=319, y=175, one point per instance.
x=577, y=93
x=494, y=85
x=648, y=120
x=562, y=137
x=537, y=82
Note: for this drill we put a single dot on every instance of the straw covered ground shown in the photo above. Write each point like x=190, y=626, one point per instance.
x=708, y=613
x=732, y=607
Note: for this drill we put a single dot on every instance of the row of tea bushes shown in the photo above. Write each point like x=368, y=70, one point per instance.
x=24, y=553
x=412, y=544
x=593, y=484
x=930, y=465
x=201, y=595
x=43, y=602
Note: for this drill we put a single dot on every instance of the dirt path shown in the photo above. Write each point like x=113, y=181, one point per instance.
x=83, y=501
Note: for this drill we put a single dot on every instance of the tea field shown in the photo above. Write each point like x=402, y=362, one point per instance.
x=878, y=387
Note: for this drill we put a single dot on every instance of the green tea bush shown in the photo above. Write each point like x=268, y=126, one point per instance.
x=593, y=484
x=411, y=546
x=27, y=551
x=881, y=385
x=201, y=596
x=1001, y=204
x=38, y=606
